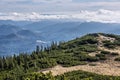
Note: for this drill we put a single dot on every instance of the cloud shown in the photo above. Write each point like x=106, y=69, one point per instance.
x=28, y=16
x=96, y=0
x=104, y=16
x=52, y=1
x=39, y=41
x=52, y=6
x=12, y=1
x=35, y=1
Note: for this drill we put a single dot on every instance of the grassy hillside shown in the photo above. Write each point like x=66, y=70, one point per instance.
x=90, y=48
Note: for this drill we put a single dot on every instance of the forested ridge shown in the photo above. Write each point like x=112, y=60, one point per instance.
x=75, y=52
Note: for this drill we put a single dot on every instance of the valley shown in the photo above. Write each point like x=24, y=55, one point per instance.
x=47, y=31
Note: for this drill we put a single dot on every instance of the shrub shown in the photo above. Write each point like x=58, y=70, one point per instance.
x=109, y=44
x=101, y=56
x=92, y=59
x=105, y=52
x=117, y=59
x=114, y=54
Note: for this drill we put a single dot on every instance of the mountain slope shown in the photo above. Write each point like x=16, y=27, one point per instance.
x=8, y=29
x=16, y=23
x=97, y=53
x=13, y=38
x=52, y=29
x=106, y=51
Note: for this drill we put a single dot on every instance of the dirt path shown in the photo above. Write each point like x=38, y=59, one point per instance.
x=110, y=50
x=100, y=68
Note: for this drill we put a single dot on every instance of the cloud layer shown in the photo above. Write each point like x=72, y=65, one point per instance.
x=52, y=1
x=104, y=16
x=57, y=5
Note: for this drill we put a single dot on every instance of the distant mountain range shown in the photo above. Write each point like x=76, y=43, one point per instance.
x=14, y=39
x=54, y=30
x=18, y=23
x=23, y=36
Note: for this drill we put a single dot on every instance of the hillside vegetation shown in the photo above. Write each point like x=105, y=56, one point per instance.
x=89, y=50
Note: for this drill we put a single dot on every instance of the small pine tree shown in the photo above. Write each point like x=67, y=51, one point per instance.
x=37, y=49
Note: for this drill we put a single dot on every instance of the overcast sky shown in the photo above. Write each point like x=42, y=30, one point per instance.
x=52, y=6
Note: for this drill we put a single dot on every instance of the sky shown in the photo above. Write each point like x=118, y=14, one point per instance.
x=57, y=6
x=106, y=11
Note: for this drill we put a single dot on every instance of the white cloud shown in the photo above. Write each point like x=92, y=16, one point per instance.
x=56, y=5
x=29, y=16
x=11, y=0
x=105, y=16
x=39, y=41
x=35, y=1
x=52, y=1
